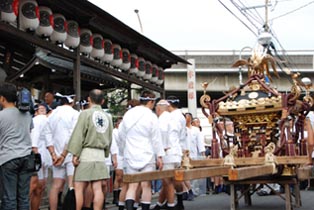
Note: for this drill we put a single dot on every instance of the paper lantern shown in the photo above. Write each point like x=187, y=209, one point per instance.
x=73, y=34
x=28, y=15
x=161, y=77
x=141, y=67
x=117, y=55
x=98, y=47
x=59, y=33
x=148, y=70
x=9, y=10
x=154, y=73
x=108, y=56
x=45, y=27
x=126, y=59
x=86, y=41
x=134, y=64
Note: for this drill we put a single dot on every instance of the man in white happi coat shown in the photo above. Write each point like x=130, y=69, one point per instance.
x=61, y=123
x=178, y=134
x=140, y=137
x=172, y=159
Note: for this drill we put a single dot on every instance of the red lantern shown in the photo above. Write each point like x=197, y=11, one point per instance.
x=45, y=27
x=28, y=15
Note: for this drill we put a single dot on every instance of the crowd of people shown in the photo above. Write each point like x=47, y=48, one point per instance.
x=81, y=146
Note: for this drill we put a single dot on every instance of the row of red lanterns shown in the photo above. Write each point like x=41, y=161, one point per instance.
x=55, y=27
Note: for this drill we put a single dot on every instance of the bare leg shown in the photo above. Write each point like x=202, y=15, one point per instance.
x=131, y=192
x=98, y=195
x=146, y=191
x=32, y=191
x=79, y=188
x=38, y=194
x=169, y=182
x=56, y=187
x=88, y=195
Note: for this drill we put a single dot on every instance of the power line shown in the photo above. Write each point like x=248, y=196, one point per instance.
x=292, y=11
x=256, y=16
x=237, y=17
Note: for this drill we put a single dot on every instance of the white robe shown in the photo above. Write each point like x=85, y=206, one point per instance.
x=140, y=137
x=178, y=129
x=38, y=136
x=61, y=123
x=172, y=146
x=196, y=142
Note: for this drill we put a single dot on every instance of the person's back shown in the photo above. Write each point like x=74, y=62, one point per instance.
x=16, y=161
x=89, y=144
x=15, y=138
x=61, y=123
x=178, y=123
x=141, y=139
x=138, y=125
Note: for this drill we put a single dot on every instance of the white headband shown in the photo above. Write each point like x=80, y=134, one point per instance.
x=147, y=99
x=68, y=97
x=173, y=101
x=82, y=102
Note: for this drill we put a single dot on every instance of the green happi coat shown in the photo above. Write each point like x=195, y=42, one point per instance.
x=91, y=141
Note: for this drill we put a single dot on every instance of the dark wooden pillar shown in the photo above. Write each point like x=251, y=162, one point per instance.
x=77, y=76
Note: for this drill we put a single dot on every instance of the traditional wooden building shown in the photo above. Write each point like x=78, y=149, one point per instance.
x=62, y=45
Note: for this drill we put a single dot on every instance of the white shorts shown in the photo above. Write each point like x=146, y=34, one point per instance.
x=120, y=162
x=169, y=166
x=43, y=172
x=67, y=169
x=128, y=170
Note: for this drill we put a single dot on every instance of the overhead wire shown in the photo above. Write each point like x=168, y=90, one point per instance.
x=243, y=12
x=249, y=11
x=292, y=11
x=237, y=17
x=284, y=60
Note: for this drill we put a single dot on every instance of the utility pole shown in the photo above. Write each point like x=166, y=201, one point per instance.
x=139, y=19
x=266, y=16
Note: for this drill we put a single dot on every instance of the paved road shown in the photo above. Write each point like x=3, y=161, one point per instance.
x=222, y=202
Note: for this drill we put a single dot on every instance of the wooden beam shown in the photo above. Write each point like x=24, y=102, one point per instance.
x=11, y=31
x=281, y=160
x=25, y=69
x=181, y=175
x=124, y=76
x=148, y=176
x=305, y=172
x=249, y=172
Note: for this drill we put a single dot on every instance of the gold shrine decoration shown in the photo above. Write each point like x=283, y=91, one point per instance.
x=267, y=119
x=244, y=105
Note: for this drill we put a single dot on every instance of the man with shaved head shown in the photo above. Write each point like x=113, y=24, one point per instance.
x=90, y=143
x=173, y=153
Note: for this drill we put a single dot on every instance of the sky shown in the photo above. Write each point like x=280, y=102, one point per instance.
x=207, y=25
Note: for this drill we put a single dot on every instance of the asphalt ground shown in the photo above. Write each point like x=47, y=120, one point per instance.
x=222, y=202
